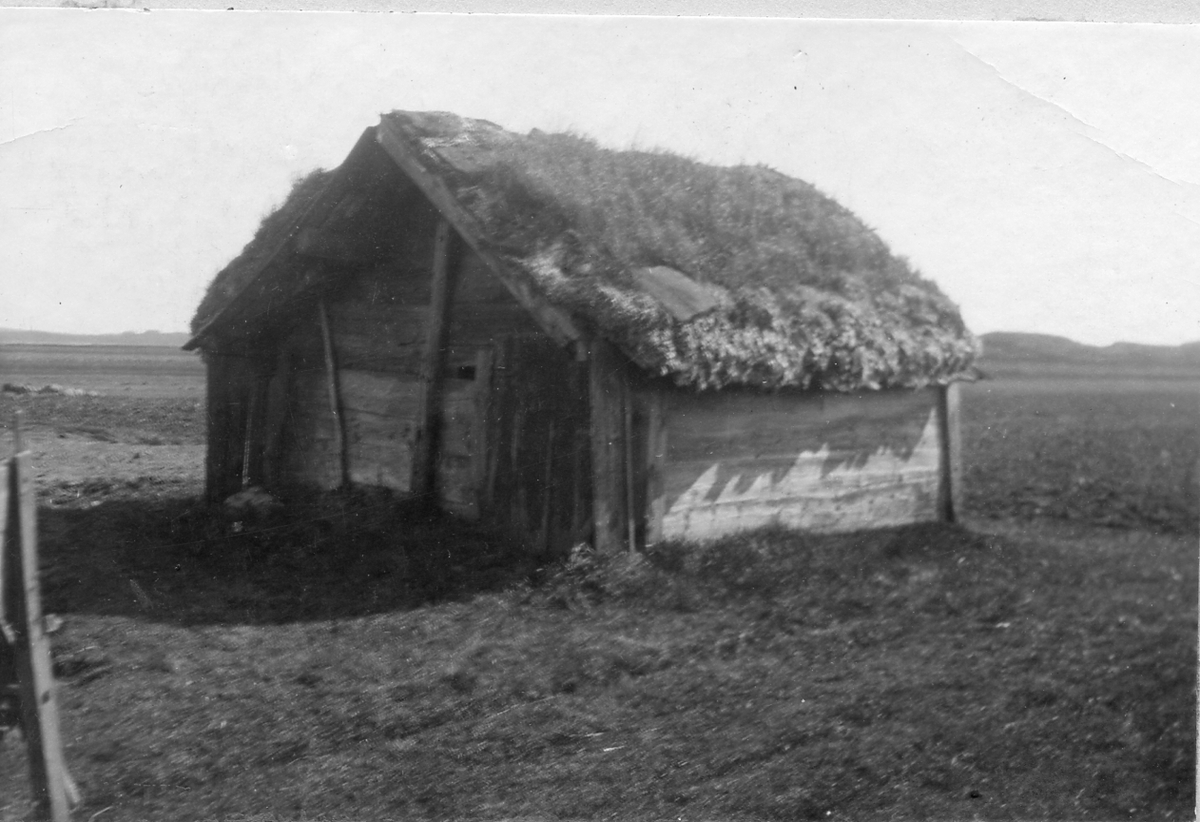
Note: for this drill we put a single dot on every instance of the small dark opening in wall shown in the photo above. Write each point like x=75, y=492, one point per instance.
x=465, y=372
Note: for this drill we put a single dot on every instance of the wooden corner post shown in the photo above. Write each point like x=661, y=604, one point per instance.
x=446, y=251
x=24, y=645
x=609, y=396
x=950, y=439
x=656, y=455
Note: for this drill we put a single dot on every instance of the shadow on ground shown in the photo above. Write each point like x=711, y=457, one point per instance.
x=345, y=555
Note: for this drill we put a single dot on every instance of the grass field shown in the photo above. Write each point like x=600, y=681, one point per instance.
x=359, y=663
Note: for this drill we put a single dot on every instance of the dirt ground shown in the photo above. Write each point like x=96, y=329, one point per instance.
x=353, y=661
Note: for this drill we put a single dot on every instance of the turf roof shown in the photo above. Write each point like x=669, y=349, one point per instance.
x=274, y=229
x=799, y=291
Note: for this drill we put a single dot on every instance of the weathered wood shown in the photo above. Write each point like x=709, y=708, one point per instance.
x=401, y=282
x=679, y=294
x=8, y=582
x=248, y=302
x=310, y=456
x=392, y=329
x=373, y=463
x=277, y=398
x=478, y=284
x=335, y=402
x=537, y=413
x=487, y=323
x=382, y=413
x=498, y=402
x=950, y=486
x=630, y=479
x=608, y=395
x=397, y=396
x=544, y=538
x=456, y=491
x=35, y=677
x=656, y=455
x=399, y=146
x=314, y=465
x=401, y=323
x=230, y=380
x=247, y=438
x=580, y=522
x=334, y=246
x=482, y=397
x=459, y=425
x=816, y=462
x=432, y=372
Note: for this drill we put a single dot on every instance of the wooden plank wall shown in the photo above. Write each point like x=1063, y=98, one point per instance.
x=738, y=460
x=231, y=381
x=538, y=468
x=377, y=324
x=509, y=435
x=484, y=317
x=377, y=351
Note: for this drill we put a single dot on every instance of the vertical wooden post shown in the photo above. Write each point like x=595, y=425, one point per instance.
x=445, y=276
x=481, y=430
x=630, y=504
x=8, y=597
x=335, y=398
x=246, y=436
x=950, y=484
x=608, y=392
x=31, y=651
x=656, y=455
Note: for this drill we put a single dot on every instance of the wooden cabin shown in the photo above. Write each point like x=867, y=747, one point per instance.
x=581, y=344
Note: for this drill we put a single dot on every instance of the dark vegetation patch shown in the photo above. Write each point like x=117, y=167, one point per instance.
x=321, y=557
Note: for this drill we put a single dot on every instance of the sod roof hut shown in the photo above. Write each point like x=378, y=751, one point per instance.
x=579, y=343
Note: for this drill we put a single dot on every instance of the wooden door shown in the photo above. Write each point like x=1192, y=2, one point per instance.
x=537, y=467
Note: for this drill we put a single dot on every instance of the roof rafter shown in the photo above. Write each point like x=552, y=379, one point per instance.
x=555, y=322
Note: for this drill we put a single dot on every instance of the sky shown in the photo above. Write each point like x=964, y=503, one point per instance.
x=1045, y=175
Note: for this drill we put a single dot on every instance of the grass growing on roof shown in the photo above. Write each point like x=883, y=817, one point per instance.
x=274, y=228
x=809, y=295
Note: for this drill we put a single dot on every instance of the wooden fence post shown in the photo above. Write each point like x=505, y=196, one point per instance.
x=21, y=609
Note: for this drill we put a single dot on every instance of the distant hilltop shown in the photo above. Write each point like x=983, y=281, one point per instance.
x=14, y=336
x=1013, y=352
x=1000, y=349
x=1015, y=345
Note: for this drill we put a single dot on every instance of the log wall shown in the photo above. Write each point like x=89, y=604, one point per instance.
x=231, y=383
x=484, y=320
x=537, y=468
x=377, y=322
x=379, y=326
x=733, y=461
